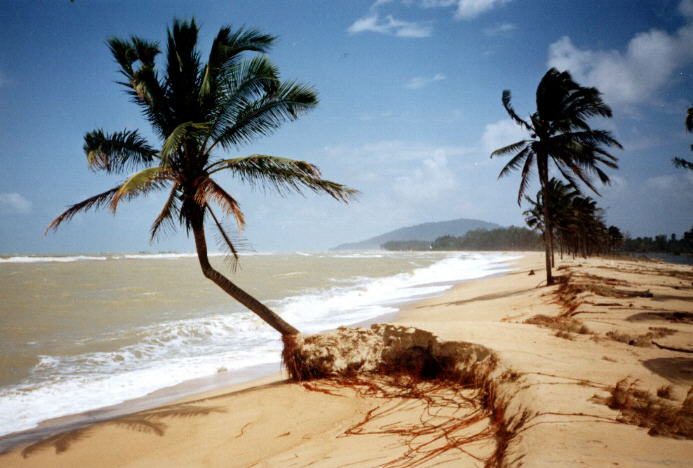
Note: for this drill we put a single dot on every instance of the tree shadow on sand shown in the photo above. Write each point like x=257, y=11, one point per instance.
x=149, y=422
x=485, y=297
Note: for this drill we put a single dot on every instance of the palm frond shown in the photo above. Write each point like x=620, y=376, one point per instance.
x=506, y=99
x=282, y=174
x=118, y=151
x=525, y=176
x=515, y=162
x=208, y=190
x=510, y=148
x=265, y=115
x=682, y=163
x=97, y=201
x=225, y=236
x=166, y=218
x=180, y=134
x=144, y=181
x=226, y=48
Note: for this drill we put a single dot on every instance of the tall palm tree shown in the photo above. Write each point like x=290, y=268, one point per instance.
x=197, y=110
x=680, y=162
x=559, y=133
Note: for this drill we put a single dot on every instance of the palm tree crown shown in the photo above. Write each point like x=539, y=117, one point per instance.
x=559, y=133
x=197, y=110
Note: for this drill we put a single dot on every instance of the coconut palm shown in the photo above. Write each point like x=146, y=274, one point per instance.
x=559, y=133
x=560, y=197
x=680, y=162
x=197, y=110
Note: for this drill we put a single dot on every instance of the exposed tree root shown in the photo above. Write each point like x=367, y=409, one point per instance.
x=456, y=385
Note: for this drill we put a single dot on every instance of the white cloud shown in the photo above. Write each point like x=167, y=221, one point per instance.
x=14, y=203
x=635, y=75
x=680, y=183
x=686, y=8
x=419, y=82
x=500, y=29
x=390, y=25
x=427, y=182
x=499, y=134
x=467, y=9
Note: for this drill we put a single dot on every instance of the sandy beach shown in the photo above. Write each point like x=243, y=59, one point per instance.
x=558, y=356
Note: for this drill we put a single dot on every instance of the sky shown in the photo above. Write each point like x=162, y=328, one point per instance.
x=410, y=110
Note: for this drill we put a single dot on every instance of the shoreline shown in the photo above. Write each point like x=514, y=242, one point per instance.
x=221, y=382
x=554, y=380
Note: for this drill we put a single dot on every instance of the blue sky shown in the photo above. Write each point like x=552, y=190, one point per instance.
x=410, y=110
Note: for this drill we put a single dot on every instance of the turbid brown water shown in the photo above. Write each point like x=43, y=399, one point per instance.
x=79, y=333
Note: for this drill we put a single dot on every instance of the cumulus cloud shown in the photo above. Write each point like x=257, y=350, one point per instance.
x=501, y=133
x=427, y=182
x=391, y=26
x=14, y=203
x=419, y=82
x=500, y=29
x=632, y=76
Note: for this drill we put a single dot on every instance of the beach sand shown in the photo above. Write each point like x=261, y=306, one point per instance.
x=558, y=372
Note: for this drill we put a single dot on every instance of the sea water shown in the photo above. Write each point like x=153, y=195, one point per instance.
x=84, y=332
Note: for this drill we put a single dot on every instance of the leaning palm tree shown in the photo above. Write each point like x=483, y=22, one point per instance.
x=197, y=110
x=559, y=133
x=680, y=162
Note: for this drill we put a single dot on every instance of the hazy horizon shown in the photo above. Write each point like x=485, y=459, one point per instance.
x=410, y=110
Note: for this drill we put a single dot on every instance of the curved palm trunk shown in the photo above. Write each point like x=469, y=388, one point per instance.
x=234, y=291
x=548, y=228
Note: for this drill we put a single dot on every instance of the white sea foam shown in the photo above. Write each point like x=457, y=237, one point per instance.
x=178, y=350
x=61, y=259
x=82, y=258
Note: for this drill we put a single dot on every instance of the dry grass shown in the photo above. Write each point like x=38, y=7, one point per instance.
x=643, y=340
x=641, y=408
x=561, y=323
x=665, y=391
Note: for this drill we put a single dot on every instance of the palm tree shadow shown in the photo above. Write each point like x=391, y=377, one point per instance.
x=148, y=422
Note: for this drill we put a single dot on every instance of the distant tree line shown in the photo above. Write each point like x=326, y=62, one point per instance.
x=510, y=238
x=661, y=243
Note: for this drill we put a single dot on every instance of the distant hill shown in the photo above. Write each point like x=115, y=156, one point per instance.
x=420, y=232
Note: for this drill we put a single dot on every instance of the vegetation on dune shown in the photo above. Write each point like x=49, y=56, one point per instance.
x=560, y=134
x=661, y=243
x=198, y=110
x=510, y=238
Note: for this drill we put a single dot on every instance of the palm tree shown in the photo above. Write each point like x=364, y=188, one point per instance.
x=680, y=162
x=560, y=197
x=559, y=133
x=197, y=110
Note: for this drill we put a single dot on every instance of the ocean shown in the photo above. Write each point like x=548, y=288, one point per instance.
x=84, y=332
